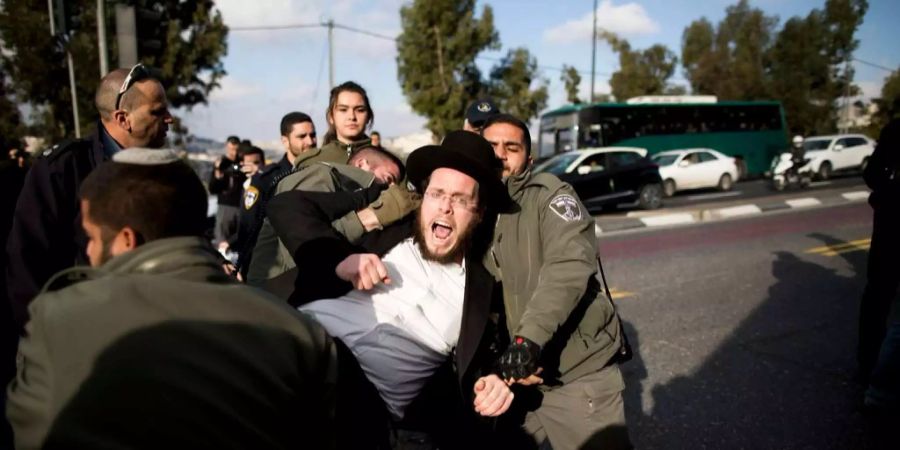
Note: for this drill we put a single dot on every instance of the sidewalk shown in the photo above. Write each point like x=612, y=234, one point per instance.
x=607, y=223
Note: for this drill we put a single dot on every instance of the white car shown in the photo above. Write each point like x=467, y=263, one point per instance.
x=695, y=168
x=827, y=154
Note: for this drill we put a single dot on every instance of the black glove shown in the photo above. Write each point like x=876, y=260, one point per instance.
x=520, y=359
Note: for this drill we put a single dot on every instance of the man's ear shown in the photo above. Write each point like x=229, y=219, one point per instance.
x=126, y=240
x=285, y=142
x=120, y=117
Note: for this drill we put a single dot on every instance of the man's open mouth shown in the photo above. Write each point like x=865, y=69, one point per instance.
x=441, y=230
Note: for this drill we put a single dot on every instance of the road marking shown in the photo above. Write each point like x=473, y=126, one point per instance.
x=735, y=211
x=715, y=195
x=668, y=219
x=819, y=183
x=803, y=202
x=846, y=247
x=617, y=294
x=856, y=195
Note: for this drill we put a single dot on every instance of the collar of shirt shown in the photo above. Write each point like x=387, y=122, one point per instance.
x=110, y=146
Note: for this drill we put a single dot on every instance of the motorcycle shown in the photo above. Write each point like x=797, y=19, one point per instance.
x=785, y=173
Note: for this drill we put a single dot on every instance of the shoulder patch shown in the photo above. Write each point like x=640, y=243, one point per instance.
x=566, y=207
x=69, y=277
x=64, y=147
x=251, y=195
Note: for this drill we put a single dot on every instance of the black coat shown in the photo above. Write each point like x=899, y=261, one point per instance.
x=262, y=185
x=46, y=234
x=302, y=221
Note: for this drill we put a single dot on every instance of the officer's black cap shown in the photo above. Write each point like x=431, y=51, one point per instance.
x=480, y=111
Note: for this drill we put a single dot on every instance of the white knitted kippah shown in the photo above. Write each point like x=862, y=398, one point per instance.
x=145, y=156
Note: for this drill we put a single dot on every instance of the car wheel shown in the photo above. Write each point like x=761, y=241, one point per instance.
x=725, y=182
x=865, y=163
x=650, y=196
x=824, y=171
x=669, y=187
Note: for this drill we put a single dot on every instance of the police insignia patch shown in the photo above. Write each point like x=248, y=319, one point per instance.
x=250, y=197
x=484, y=107
x=566, y=207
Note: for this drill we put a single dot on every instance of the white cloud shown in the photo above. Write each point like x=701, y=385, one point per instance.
x=231, y=89
x=629, y=19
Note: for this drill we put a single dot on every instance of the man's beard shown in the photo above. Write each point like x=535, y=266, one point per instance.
x=459, y=249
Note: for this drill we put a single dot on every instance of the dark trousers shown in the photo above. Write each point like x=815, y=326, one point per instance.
x=881, y=287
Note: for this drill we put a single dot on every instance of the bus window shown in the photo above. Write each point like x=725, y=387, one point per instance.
x=547, y=143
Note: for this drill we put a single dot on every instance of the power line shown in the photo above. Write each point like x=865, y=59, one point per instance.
x=877, y=66
x=395, y=39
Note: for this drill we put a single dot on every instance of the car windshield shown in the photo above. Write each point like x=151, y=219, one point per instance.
x=557, y=165
x=813, y=145
x=664, y=160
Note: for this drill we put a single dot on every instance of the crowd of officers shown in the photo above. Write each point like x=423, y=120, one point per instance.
x=135, y=332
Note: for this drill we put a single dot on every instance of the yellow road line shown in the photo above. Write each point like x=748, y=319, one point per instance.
x=617, y=294
x=851, y=246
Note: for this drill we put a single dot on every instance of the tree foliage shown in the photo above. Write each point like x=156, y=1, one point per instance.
x=571, y=79
x=888, y=103
x=189, y=59
x=640, y=72
x=436, y=64
x=11, y=127
x=729, y=60
x=807, y=68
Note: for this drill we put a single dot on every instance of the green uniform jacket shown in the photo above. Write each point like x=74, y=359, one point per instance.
x=158, y=348
x=545, y=256
x=270, y=257
x=333, y=151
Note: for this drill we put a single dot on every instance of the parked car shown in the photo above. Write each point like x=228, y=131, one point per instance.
x=828, y=154
x=695, y=168
x=608, y=176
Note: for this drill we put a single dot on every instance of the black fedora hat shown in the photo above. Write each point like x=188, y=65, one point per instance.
x=466, y=152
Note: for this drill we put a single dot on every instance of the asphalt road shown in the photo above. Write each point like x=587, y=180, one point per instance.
x=744, y=330
x=744, y=190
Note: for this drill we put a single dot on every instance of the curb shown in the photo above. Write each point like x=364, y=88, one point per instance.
x=713, y=213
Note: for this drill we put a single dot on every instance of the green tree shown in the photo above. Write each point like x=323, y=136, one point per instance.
x=807, y=65
x=189, y=59
x=436, y=58
x=888, y=104
x=511, y=84
x=571, y=79
x=730, y=60
x=11, y=127
x=640, y=72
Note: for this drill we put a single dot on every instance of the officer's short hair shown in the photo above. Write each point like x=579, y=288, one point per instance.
x=156, y=201
x=291, y=118
x=251, y=150
x=378, y=152
x=509, y=119
x=233, y=140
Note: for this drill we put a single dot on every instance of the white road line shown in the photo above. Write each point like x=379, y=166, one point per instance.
x=667, y=219
x=715, y=195
x=735, y=211
x=856, y=195
x=802, y=202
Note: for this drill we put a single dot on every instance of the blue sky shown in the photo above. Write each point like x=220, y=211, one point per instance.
x=273, y=72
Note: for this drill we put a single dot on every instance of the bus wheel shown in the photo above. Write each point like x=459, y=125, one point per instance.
x=650, y=196
x=669, y=187
x=725, y=183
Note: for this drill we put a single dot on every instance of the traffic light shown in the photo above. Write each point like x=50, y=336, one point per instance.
x=141, y=33
x=66, y=18
x=152, y=27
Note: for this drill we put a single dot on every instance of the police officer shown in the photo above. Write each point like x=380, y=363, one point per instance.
x=565, y=333
x=478, y=113
x=46, y=235
x=155, y=344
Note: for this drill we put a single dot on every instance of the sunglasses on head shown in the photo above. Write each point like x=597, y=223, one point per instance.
x=137, y=73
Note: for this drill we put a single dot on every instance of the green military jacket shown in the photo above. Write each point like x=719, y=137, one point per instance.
x=545, y=256
x=158, y=344
x=333, y=154
x=335, y=150
x=270, y=257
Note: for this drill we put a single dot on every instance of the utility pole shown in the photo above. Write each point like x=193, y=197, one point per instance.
x=71, y=73
x=594, y=51
x=846, y=126
x=330, y=25
x=101, y=38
